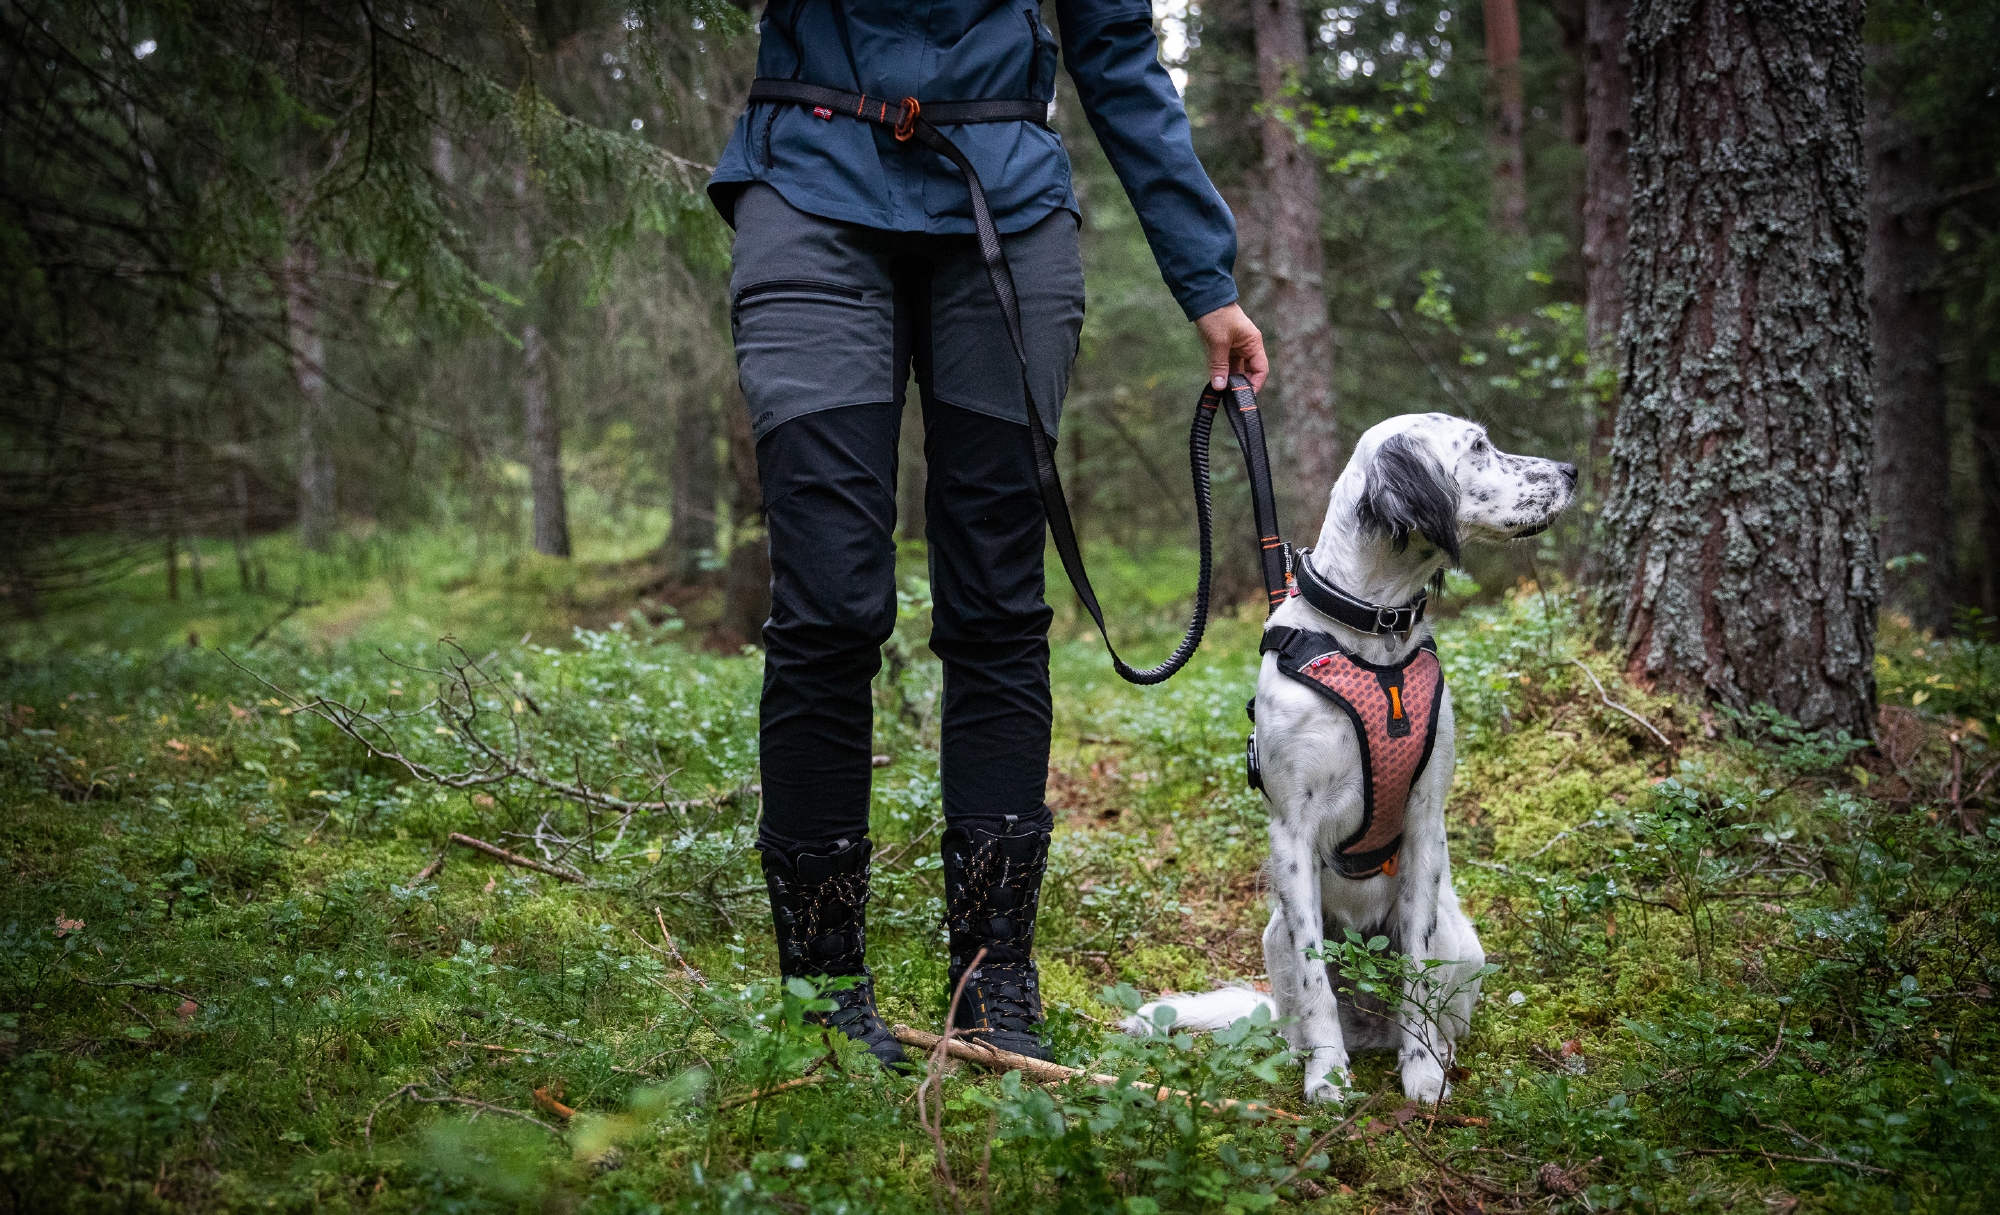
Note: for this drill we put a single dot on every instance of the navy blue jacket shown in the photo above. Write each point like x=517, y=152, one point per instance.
x=966, y=50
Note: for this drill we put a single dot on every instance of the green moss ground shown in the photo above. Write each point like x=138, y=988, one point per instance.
x=1753, y=974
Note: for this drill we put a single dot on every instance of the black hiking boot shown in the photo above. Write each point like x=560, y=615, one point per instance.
x=819, y=907
x=992, y=885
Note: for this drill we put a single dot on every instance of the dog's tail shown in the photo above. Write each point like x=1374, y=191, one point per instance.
x=1200, y=1011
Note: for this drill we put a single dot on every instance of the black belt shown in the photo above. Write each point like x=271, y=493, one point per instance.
x=919, y=120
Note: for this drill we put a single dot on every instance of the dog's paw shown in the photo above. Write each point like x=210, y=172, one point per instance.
x=1328, y=1081
x=1424, y=1080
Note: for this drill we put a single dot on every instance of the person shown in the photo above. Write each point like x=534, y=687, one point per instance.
x=855, y=264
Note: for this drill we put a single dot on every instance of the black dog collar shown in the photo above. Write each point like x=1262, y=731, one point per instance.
x=1357, y=614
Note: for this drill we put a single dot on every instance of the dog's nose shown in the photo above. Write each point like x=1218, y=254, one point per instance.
x=1568, y=471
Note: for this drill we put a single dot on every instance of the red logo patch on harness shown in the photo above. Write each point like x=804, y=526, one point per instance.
x=821, y=112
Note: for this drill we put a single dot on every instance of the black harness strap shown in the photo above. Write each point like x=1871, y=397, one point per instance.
x=913, y=119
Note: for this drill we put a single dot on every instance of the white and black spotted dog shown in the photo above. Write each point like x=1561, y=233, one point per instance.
x=1354, y=745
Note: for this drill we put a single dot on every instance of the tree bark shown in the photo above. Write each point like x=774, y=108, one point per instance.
x=317, y=504
x=544, y=432
x=1503, y=70
x=1295, y=265
x=1912, y=437
x=1740, y=564
x=746, y=592
x=1986, y=462
x=1607, y=191
x=1607, y=199
x=691, y=531
x=914, y=470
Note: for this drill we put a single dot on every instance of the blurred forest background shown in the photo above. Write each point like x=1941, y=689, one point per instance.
x=299, y=293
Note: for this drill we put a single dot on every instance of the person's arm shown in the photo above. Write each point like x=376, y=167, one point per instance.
x=1112, y=54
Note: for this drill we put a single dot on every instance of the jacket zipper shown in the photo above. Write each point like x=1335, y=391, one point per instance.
x=804, y=286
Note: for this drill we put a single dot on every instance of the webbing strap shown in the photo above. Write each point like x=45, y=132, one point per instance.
x=889, y=113
x=913, y=119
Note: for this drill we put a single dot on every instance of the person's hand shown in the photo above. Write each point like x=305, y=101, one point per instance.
x=1234, y=347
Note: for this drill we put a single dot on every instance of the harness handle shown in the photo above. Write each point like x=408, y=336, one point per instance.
x=907, y=120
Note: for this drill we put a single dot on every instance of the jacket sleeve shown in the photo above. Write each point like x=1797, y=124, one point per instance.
x=1112, y=55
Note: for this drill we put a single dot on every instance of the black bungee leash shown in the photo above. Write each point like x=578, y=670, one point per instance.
x=911, y=119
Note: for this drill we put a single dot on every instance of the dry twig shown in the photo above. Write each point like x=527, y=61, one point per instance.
x=1612, y=704
x=1055, y=1073
x=516, y=859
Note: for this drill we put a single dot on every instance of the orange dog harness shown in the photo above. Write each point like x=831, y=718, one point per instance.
x=1385, y=703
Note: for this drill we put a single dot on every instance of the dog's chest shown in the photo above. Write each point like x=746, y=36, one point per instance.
x=1393, y=709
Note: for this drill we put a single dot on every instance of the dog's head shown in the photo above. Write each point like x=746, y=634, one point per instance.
x=1439, y=478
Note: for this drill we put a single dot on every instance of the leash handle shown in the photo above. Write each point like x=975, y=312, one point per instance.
x=1272, y=551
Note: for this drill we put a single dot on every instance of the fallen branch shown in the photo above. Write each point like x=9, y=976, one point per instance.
x=414, y=1093
x=1772, y=1054
x=1054, y=1073
x=291, y=609
x=674, y=951
x=1612, y=704
x=553, y=1104
x=1472, y=1179
x=761, y=1093
x=514, y=858
x=429, y=871
x=460, y=709
x=511, y=1050
x=933, y=1082
x=481, y=1014
x=1850, y=1164
x=141, y=984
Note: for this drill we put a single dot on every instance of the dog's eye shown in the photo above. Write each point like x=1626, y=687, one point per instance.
x=1480, y=445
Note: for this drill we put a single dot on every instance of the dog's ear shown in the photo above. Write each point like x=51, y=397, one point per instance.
x=1408, y=491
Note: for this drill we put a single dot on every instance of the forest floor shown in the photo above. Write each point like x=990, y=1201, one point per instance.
x=241, y=966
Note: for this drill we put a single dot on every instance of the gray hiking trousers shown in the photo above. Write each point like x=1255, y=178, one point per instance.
x=830, y=321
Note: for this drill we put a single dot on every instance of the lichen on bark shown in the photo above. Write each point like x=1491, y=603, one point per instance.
x=1738, y=560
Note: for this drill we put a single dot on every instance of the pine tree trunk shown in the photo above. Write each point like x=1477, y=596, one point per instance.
x=913, y=470
x=1986, y=461
x=308, y=363
x=691, y=531
x=1739, y=563
x=1912, y=438
x=544, y=433
x=1607, y=191
x=1503, y=70
x=1295, y=265
x=746, y=591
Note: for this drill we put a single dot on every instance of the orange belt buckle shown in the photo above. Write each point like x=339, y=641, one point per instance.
x=906, y=126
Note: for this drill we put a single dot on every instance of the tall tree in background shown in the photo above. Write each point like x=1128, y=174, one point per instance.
x=307, y=350
x=1607, y=191
x=542, y=424
x=1503, y=70
x=1295, y=264
x=1607, y=196
x=1912, y=433
x=694, y=479
x=1741, y=566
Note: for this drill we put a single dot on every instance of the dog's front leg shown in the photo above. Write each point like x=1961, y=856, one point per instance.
x=1439, y=940
x=1292, y=944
